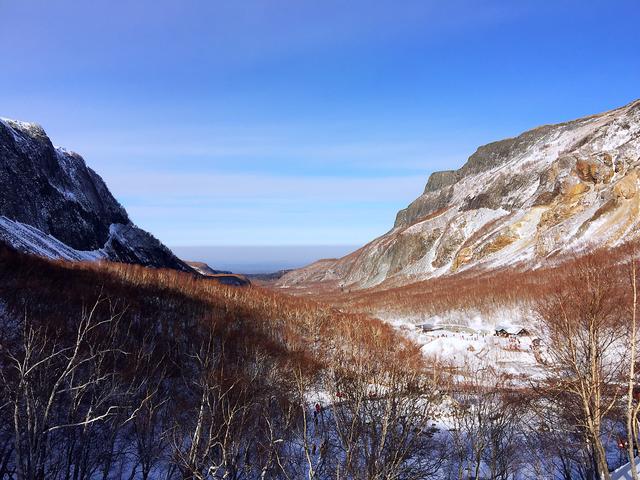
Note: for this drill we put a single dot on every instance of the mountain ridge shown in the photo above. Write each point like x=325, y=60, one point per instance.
x=52, y=204
x=555, y=189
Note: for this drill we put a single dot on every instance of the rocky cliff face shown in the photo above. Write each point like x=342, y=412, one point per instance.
x=554, y=189
x=52, y=204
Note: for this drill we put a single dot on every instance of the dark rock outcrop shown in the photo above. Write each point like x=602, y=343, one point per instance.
x=221, y=276
x=52, y=204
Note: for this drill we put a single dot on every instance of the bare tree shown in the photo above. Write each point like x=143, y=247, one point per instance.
x=632, y=410
x=63, y=395
x=382, y=415
x=228, y=430
x=585, y=346
x=488, y=430
x=310, y=433
x=553, y=440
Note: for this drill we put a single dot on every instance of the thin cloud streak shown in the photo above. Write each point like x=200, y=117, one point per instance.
x=248, y=187
x=300, y=122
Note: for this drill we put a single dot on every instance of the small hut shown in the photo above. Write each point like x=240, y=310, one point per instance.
x=429, y=327
x=511, y=332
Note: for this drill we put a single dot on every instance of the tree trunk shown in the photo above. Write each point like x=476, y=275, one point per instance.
x=630, y=409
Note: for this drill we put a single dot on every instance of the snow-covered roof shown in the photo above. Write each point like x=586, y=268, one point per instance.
x=429, y=326
x=510, y=329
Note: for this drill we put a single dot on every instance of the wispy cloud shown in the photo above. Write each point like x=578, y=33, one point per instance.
x=169, y=187
x=248, y=209
x=288, y=121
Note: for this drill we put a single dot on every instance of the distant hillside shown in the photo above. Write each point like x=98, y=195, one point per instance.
x=221, y=276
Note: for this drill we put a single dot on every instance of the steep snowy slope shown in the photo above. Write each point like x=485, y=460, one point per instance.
x=554, y=189
x=53, y=205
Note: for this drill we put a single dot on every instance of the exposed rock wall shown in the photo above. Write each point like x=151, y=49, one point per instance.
x=554, y=189
x=52, y=204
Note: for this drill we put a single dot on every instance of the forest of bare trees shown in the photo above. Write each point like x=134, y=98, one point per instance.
x=120, y=372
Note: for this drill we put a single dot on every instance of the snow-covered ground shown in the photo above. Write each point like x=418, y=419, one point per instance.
x=476, y=342
x=29, y=239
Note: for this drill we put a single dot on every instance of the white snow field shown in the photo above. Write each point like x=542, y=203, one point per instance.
x=512, y=349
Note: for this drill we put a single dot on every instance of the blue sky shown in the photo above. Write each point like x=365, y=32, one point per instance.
x=301, y=122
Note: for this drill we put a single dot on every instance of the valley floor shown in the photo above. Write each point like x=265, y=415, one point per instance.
x=516, y=357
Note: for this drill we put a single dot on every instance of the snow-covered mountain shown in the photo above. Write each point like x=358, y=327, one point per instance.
x=53, y=205
x=555, y=189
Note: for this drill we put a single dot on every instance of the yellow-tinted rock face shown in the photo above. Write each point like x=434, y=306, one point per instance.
x=594, y=171
x=446, y=248
x=558, y=214
x=587, y=171
x=463, y=256
x=627, y=187
x=498, y=244
x=573, y=189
